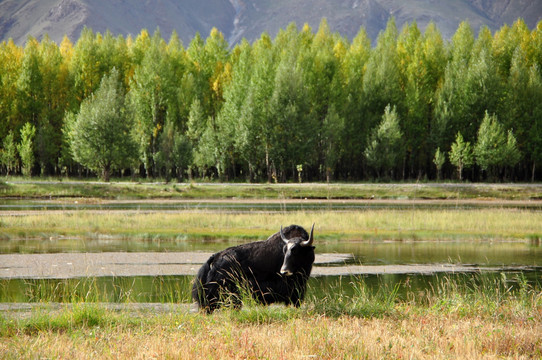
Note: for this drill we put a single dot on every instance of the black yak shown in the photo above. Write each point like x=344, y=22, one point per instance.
x=269, y=271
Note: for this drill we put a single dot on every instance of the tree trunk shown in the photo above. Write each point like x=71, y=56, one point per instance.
x=267, y=164
x=106, y=173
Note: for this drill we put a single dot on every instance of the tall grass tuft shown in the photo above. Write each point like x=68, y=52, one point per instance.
x=362, y=301
x=65, y=319
x=162, y=289
x=482, y=294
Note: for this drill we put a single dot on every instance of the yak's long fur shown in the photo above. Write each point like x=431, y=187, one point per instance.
x=256, y=268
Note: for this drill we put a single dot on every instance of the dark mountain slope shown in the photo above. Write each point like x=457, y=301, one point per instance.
x=21, y=18
x=249, y=18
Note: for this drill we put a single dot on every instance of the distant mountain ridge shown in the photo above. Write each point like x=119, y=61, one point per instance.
x=238, y=19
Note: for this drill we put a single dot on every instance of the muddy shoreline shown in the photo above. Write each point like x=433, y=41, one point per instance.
x=78, y=265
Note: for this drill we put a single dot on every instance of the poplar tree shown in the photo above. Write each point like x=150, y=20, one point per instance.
x=29, y=100
x=152, y=98
x=224, y=139
x=8, y=154
x=461, y=155
x=495, y=148
x=385, y=144
x=439, y=159
x=291, y=138
x=10, y=65
x=354, y=109
x=534, y=135
x=100, y=135
x=451, y=113
x=381, y=81
x=253, y=135
x=422, y=59
x=26, y=148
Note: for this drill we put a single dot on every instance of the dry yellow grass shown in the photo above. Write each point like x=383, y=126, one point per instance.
x=411, y=336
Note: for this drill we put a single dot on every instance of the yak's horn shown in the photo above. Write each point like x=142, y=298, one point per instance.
x=311, y=238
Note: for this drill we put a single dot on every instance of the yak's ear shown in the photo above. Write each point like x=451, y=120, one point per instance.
x=311, y=238
x=282, y=236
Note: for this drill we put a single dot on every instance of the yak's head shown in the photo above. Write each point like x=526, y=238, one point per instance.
x=298, y=254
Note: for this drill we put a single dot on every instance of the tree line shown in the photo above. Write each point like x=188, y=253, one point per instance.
x=304, y=106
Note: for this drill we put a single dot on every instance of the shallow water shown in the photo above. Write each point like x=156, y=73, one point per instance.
x=511, y=262
x=488, y=254
x=18, y=205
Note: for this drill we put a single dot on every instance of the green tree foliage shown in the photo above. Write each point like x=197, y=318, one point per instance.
x=55, y=99
x=452, y=114
x=382, y=78
x=310, y=100
x=85, y=66
x=29, y=101
x=533, y=142
x=461, y=155
x=10, y=67
x=320, y=64
x=331, y=141
x=253, y=136
x=353, y=106
x=495, y=148
x=291, y=137
x=175, y=152
x=224, y=136
x=8, y=154
x=422, y=59
x=99, y=135
x=153, y=98
x=439, y=159
x=385, y=144
x=26, y=148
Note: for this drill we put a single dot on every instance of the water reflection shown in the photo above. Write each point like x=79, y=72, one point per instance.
x=364, y=252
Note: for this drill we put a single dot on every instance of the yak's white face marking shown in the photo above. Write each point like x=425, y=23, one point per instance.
x=291, y=247
x=287, y=251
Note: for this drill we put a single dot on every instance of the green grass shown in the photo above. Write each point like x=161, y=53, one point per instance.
x=160, y=190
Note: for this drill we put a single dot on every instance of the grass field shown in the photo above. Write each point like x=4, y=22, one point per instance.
x=460, y=320
x=481, y=224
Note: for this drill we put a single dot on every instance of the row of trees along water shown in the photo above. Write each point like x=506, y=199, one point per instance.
x=303, y=106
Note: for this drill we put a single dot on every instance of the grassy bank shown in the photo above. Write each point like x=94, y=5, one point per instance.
x=479, y=224
x=455, y=320
x=18, y=188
